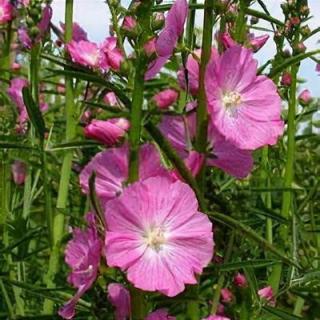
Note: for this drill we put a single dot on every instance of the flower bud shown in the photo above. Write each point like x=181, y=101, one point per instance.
x=240, y=280
x=226, y=40
x=286, y=79
x=165, y=98
x=15, y=66
x=108, y=132
x=226, y=295
x=305, y=10
x=19, y=172
x=300, y=48
x=150, y=47
x=267, y=294
x=305, y=97
x=129, y=25
x=254, y=20
x=294, y=21
x=305, y=30
x=158, y=21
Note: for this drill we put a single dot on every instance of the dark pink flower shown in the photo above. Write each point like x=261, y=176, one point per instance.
x=256, y=43
x=154, y=228
x=244, y=108
x=85, y=53
x=226, y=295
x=113, y=56
x=19, y=172
x=108, y=132
x=119, y=297
x=165, y=98
x=305, y=97
x=15, y=66
x=286, y=79
x=111, y=99
x=82, y=255
x=78, y=34
x=168, y=37
x=6, y=11
x=240, y=280
x=111, y=169
x=44, y=23
x=24, y=38
x=161, y=314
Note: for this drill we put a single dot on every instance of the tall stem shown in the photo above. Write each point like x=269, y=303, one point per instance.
x=58, y=221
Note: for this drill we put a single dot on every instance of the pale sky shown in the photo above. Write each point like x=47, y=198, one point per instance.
x=94, y=17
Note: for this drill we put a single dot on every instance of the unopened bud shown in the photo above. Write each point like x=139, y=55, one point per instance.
x=286, y=79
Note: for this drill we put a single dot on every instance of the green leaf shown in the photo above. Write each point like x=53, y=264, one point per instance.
x=74, y=145
x=34, y=113
x=11, y=145
x=258, y=263
x=280, y=314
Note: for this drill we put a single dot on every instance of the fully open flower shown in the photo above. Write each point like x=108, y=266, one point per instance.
x=119, y=297
x=6, y=11
x=161, y=314
x=244, y=108
x=222, y=154
x=82, y=254
x=111, y=169
x=168, y=37
x=108, y=132
x=154, y=228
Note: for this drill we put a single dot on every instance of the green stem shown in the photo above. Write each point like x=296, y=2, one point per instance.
x=58, y=220
x=216, y=296
x=190, y=26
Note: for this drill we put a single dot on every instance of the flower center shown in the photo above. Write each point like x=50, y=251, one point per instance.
x=155, y=238
x=231, y=99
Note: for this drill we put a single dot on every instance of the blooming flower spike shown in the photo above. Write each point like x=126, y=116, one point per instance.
x=154, y=228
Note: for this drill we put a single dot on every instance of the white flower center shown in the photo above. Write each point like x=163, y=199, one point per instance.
x=155, y=238
x=231, y=99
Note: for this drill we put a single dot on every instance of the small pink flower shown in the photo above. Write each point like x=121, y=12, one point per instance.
x=257, y=43
x=244, y=108
x=108, y=132
x=169, y=36
x=240, y=280
x=6, y=11
x=111, y=169
x=119, y=297
x=305, y=97
x=226, y=295
x=85, y=53
x=154, y=228
x=161, y=314
x=150, y=47
x=82, y=254
x=165, y=98
x=111, y=99
x=113, y=56
x=286, y=79
x=19, y=172
x=78, y=33
x=266, y=293
x=129, y=23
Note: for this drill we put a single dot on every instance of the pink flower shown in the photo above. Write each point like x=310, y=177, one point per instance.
x=257, y=43
x=226, y=295
x=44, y=23
x=169, y=36
x=111, y=99
x=108, y=132
x=223, y=154
x=15, y=93
x=85, y=53
x=111, y=169
x=19, y=172
x=267, y=294
x=78, y=33
x=213, y=317
x=305, y=97
x=165, y=98
x=161, y=314
x=82, y=254
x=244, y=108
x=6, y=11
x=113, y=56
x=286, y=79
x=119, y=297
x=227, y=40
x=24, y=38
x=150, y=47
x=129, y=23
x=240, y=280
x=154, y=228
